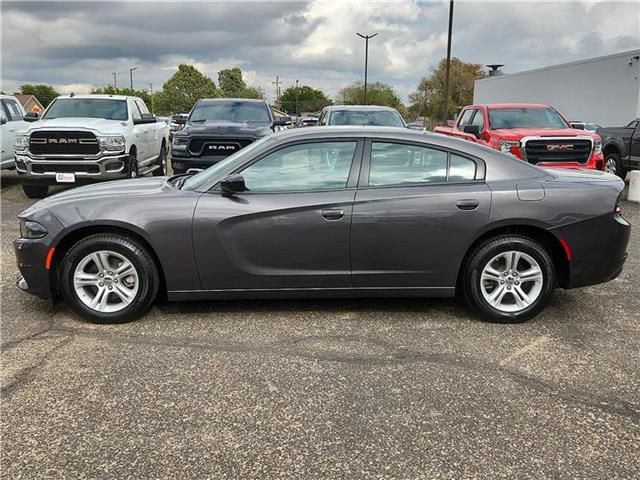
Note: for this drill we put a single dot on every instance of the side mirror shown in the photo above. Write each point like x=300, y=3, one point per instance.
x=146, y=118
x=233, y=184
x=179, y=120
x=577, y=126
x=3, y=120
x=31, y=117
x=472, y=129
x=280, y=122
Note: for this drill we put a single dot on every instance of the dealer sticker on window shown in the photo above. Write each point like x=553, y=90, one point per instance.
x=65, y=177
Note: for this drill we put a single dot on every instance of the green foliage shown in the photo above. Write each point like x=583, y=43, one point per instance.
x=428, y=99
x=377, y=94
x=182, y=90
x=110, y=90
x=309, y=99
x=44, y=93
x=232, y=85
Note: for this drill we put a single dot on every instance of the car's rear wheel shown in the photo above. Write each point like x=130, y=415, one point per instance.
x=509, y=279
x=35, y=191
x=162, y=162
x=109, y=278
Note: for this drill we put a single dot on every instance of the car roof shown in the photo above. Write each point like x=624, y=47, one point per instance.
x=496, y=106
x=244, y=100
x=361, y=107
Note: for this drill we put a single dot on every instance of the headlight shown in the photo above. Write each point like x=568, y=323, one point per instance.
x=114, y=143
x=506, y=146
x=180, y=141
x=31, y=230
x=21, y=143
x=597, y=147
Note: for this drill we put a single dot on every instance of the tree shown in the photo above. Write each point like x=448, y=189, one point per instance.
x=183, y=89
x=309, y=99
x=377, y=94
x=232, y=85
x=110, y=90
x=44, y=93
x=428, y=99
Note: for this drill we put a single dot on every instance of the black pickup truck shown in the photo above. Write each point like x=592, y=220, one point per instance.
x=621, y=148
x=219, y=127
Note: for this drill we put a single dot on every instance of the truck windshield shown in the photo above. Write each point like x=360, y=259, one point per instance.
x=506, y=118
x=378, y=118
x=232, y=111
x=87, y=108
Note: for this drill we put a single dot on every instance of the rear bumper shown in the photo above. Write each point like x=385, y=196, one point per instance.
x=598, y=249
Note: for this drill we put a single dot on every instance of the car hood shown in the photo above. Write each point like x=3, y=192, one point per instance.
x=70, y=123
x=123, y=190
x=227, y=128
x=519, y=133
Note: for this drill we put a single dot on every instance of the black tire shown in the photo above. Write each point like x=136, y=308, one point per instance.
x=133, y=165
x=162, y=161
x=35, y=191
x=488, y=250
x=136, y=254
x=613, y=164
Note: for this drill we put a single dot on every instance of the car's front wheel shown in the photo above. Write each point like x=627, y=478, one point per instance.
x=509, y=279
x=109, y=278
x=613, y=164
x=162, y=163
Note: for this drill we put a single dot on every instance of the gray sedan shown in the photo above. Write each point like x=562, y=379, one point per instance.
x=330, y=212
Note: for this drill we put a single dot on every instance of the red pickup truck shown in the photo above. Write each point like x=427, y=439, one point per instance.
x=532, y=132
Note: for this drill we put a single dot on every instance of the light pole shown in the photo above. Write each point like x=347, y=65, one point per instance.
x=297, y=105
x=366, y=60
x=115, y=80
x=131, y=76
x=446, y=75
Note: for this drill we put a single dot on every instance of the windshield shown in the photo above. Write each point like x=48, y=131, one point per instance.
x=87, y=108
x=196, y=181
x=240, y=112
x=378, y=118
x=506, y=118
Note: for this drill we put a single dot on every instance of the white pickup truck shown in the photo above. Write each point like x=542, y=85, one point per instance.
x=88, y=138
x=11, y=120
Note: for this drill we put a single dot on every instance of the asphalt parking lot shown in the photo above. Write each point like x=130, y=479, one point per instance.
x=321, y=389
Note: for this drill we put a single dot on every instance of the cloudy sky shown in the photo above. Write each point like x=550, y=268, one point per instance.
x=77, y=45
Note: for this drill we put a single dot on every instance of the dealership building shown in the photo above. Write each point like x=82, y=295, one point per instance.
x=603, y=90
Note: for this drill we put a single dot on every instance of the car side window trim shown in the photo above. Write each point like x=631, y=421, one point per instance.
x=352, y=179
x=363, y=182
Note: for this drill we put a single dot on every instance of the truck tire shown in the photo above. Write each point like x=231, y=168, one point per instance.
x=162, y=161
x=35, y=191
x=133, y=165
x=613, y=164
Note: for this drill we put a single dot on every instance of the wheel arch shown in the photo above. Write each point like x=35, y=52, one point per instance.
x=536, y=232
x=70, y=238
x=611, y=147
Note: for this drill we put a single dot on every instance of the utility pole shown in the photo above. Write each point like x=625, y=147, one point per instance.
x=115, y=80
x=131, y=75
x=366, y=60
x=277, y=83
x=297, y=104
x=151, y=95
x=446, y=75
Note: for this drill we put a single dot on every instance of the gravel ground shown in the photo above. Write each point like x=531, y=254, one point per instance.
x=321, y=389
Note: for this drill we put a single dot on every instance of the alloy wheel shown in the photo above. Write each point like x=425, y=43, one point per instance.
x=611, y=166
x=511, y=281
x=106, y=281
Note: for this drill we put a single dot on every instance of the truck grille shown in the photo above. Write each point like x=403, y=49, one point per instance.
x=557, y=150
x=63, y=143
x=223, y=147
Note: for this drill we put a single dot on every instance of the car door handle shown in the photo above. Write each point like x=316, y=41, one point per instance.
x=467, y=204
x=332, y=214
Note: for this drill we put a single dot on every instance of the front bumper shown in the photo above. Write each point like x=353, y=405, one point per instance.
x=182, y=164
x=39, y=170
x=598, y=249
x=34, y=278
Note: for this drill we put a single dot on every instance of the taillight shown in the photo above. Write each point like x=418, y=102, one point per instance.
x=618, y=207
